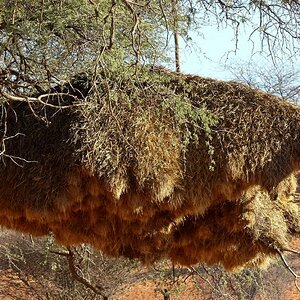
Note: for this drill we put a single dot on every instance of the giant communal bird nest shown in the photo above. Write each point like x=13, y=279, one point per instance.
x=162, y=165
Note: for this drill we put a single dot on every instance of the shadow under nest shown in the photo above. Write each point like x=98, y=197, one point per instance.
x=171, y=166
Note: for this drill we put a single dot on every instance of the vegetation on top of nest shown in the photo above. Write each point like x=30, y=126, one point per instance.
x=156, y=100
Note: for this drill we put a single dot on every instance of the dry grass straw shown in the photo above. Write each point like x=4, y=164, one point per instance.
x=165, y=165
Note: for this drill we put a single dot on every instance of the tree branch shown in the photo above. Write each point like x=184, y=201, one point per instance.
x=73, y=270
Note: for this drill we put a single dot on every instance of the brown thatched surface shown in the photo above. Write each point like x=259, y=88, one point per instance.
x=191, y=168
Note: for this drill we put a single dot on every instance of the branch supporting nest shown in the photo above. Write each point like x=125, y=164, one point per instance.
x=40, y=98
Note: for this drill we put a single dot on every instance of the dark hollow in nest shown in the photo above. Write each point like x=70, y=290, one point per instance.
x=176, y=166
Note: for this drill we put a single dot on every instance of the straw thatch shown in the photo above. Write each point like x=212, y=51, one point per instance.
x=167, y=165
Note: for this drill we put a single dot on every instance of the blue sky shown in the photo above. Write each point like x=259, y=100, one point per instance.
x=210, y=52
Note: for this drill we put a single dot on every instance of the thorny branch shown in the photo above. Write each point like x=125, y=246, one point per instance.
x=162, y=9
x=71, y=257
x=288, y=267
x=193, y=270
x=112, y=29
x=135, y=29
x=3, y=129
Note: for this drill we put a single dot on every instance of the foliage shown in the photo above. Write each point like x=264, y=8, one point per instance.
x=45, y=42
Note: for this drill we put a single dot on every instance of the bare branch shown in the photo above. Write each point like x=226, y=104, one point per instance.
x=39, y=99
x=286, y=264
x=73, y=270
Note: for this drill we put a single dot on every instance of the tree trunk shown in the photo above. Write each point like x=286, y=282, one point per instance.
x=176, y=35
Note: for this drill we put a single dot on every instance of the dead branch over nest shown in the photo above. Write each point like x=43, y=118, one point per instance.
x=174, y=166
